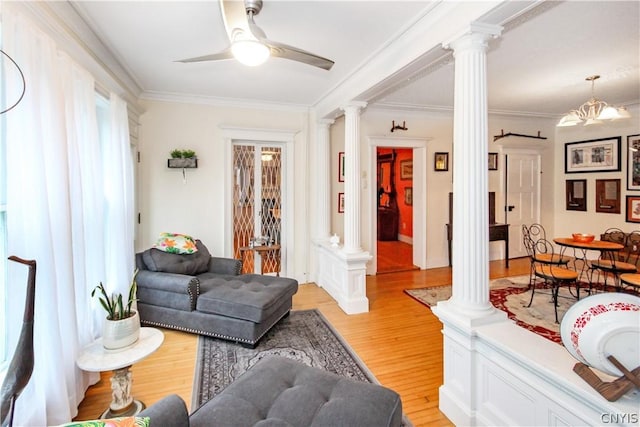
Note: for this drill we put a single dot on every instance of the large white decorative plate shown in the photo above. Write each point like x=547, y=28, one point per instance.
x=602, y=325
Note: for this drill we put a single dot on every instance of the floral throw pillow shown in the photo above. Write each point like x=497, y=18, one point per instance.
x=174, y=243
x=113, y=422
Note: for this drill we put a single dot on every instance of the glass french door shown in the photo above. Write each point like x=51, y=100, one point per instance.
x=257, y=204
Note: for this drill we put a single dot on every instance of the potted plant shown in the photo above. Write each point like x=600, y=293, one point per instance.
x=182, y=159
x=188, y=154
x=122, y=324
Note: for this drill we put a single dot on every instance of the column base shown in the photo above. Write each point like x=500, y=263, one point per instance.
x=466, y=317
x=343, y=276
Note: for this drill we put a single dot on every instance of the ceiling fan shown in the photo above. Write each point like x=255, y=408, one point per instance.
x=249, y=44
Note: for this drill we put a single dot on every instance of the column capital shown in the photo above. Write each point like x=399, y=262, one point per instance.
x=326, y=122
x=353, y=106
x=476, y=32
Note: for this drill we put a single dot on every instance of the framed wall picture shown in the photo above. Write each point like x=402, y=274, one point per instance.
x=596, y=155
x=341, y=166
x=608, y=195
x=576, y=192
x=340, y=202
x=633, y=162
x=493, y=161
x=408, y=196
x=406, y=169
x=633, y=209
x=441, y=162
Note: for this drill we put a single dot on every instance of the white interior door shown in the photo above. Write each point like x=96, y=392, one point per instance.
x=522, y=197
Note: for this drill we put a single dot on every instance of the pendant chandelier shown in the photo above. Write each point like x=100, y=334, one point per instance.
x=594, y=111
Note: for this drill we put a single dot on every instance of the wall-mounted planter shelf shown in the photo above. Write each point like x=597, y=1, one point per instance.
x=191, y=162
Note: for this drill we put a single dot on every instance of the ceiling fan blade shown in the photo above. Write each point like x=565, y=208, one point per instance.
x=282, y=50
x=234, y=15
x=225, y=54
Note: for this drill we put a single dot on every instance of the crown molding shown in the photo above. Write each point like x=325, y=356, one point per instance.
x=223, y=102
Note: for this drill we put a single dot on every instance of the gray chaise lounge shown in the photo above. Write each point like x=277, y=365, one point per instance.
x=206, y=295
x=282, y=392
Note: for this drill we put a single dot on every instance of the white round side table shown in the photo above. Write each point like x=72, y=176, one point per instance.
x=96, y=358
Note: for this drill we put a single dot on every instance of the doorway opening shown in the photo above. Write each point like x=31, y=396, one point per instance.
x=416, y=170
x=394, y=237
x=257, y=206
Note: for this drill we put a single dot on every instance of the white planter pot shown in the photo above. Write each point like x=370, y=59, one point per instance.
x=120, y=333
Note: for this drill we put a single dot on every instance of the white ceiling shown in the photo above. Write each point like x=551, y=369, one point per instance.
x=537, y=67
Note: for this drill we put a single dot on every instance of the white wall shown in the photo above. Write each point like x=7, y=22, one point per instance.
x=567, y=222
x=437, y=127
x=196, y=207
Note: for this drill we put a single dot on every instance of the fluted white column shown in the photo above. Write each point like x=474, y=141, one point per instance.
x=323, y=183
x=352, y=177
x=470, y=291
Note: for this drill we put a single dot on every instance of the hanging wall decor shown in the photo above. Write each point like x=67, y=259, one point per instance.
x=596, y=155
x=608, y=195
x=633, y=162
x=493, y=161
x=576, y=194
x=441, y=162
x=341, y=166
x=182, y=159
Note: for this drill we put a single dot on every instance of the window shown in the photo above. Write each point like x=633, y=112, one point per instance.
x=3, y=235
x=3, y=247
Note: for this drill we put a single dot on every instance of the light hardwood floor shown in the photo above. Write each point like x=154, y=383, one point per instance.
x=399, y=340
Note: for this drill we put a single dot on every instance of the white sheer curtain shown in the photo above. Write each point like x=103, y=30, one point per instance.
x=118, y=191
x=56, y=215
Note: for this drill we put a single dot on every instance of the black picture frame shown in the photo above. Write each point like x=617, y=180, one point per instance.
x=441, y=162
x=594, y=155
x=633, y=209
x=633, y=162
x=493, y=161
x=341, y=166
x=576, y=194
x=608, y=196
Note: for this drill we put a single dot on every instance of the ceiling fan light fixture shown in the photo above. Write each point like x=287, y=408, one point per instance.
x=594, y=111
x=250, y=52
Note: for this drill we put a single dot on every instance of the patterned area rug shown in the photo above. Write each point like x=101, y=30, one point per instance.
x=304, y=335
x=511, y=295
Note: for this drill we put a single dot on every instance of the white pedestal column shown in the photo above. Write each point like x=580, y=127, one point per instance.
x=342, y=271
x=322, y=191
x=469, y=306
x=470, y=291
x=352, y=177
x=320, y=194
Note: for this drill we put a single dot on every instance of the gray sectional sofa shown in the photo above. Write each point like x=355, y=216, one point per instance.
x=281, y=392
x=206, y=295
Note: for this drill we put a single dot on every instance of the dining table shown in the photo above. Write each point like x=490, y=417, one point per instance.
x=580, y=249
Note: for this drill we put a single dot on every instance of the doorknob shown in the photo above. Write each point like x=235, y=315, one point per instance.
x=510, y=208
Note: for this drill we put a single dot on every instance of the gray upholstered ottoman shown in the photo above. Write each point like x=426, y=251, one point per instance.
x=282, y=392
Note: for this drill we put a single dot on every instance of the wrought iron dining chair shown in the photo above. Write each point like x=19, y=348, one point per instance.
x=631, y=281
x=546, y=266
x=613, y=264
x=533, y=233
